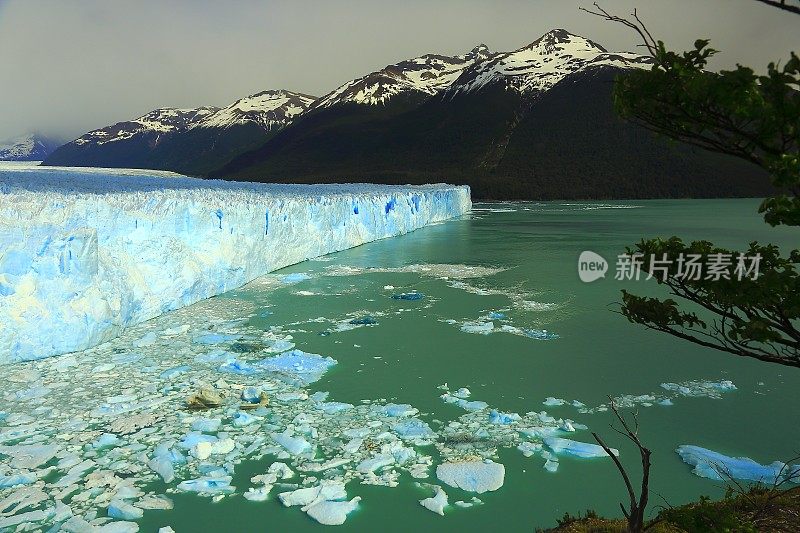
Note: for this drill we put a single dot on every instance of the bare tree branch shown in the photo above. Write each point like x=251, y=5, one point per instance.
x=781, y=4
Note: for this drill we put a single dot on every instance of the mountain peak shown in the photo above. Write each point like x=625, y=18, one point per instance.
x=31, y=146
x=478, y=53
x=561, y=39
x=270, y=109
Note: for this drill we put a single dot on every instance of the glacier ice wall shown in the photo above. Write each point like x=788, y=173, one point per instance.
x=86, y=252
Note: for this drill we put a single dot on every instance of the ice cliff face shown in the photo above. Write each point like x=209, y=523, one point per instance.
x=86, y=252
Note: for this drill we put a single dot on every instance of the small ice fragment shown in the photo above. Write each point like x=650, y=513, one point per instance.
x=412, y=428
x=332, y=513
x=437, y=503
x=408, y=296
x=238, y=367
x=259, y=494
x=529, y=448
x=294, y=445
x=209, y=485
x=496, y=417
x=551, y=465
x=174, y=371
x=251, y=395
x=242, y=419
x=540, y=334
x=281, y=470
x=326, y=490
x=14, y=480
x=214, y=338
x=124, y=511
x=207, y=425
x=481, y=328
x=374, y=463
x=553, y=402
x=334, y=407
x=363, y=321
x=295, y=277
x=578, y=449
x=399, y=410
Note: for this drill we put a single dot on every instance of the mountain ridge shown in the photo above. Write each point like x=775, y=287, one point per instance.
x=450, y=118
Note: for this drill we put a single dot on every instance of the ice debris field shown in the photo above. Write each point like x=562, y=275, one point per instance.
x=177, y=404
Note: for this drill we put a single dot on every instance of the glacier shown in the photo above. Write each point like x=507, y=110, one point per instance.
x=85, y=253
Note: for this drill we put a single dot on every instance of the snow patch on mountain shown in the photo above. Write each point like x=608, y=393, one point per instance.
x=267, y=109
x=535, y=67
x=159, y=121
x=543, y=63
x=427, y=74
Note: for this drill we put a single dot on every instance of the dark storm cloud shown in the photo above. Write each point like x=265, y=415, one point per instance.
x=68, y=67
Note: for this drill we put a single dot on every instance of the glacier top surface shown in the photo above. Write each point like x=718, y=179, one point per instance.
x=17, y=180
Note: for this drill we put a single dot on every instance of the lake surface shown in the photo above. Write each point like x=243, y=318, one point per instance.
x=530, y=252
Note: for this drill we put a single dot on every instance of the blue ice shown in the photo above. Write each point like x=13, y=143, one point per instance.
x=714, y=465
x=305, y=367
x=578, y=449
x=413, y=428
x=496, y=417
x=409, y=296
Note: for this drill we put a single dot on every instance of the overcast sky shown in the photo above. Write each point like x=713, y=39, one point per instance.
x=68, y=67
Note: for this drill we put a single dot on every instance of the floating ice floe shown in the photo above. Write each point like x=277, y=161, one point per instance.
x=305, y=367
x=437, y=502
x=485, y=326
x=575, y=448
x=714, y=465
x=700, y=389
x=473, y=476
x=409, y=296
x=693, y=389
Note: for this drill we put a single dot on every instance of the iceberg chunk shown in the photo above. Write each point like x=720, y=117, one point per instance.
x=304, y=367
x=413, y=428
x=473, y=476
x=293, y=445
x=576, y=448
x=332, y=513
x=208, y=485
x=124, y=511
x=714, y=465
x=437, y=502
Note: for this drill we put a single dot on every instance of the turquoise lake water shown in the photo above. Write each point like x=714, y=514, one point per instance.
x=598, y=353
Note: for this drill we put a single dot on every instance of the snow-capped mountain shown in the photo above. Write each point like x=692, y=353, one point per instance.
x=426, y=75
x=540, y=65
x=191, y=141
x=535, y=67
x=157, y=122
x=536, y=122
x=30, y=147
x=269, y=109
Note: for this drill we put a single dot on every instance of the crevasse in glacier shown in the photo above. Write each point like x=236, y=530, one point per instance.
x=86, y=252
